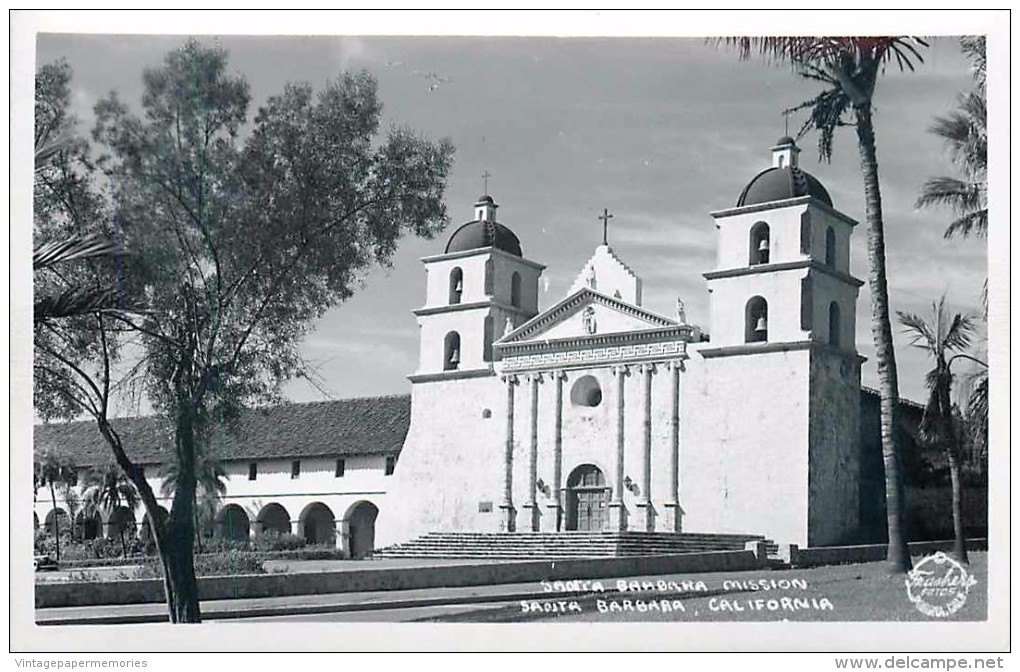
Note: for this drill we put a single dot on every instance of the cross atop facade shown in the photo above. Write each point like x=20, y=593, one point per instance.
x=485, y=176
x=605, y=217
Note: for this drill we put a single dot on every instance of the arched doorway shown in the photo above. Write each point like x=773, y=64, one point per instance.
x=56, y=519
x=87, y=526
x=121, y=523
x=361, y=528
x=587, y=497
x=318, y=524
x=232, y=523
x=273, y=518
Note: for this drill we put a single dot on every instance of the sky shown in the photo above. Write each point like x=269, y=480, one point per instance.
x=661, y=131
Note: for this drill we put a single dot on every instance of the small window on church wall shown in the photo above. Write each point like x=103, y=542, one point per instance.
x=391, y=464
x=586, y=392
x=834, y=324
x=456, y=285
x=756, y=320
x=830, y=247
x=760, y=243
x=490, y=273
x=515, y=290
x=295, y=468
x=451, y=352
x=487, y=340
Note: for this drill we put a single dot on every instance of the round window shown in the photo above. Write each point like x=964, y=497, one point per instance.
x=586, y=392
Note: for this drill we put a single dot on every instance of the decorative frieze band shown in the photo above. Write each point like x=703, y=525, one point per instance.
x=548, y=360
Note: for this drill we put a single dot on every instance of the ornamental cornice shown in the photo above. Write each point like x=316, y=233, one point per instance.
x=568, y=306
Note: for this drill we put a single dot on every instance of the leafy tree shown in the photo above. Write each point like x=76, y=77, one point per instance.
x=236, y=236
x=105, y=490
x=942, y=338
x=56, y=473
x=848, y=68
x=210, y=477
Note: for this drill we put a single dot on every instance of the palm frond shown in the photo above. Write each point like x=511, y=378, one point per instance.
x=79, y=247
x=950, y=192
x=75, y=301
x=918, y=330
x=973, y=223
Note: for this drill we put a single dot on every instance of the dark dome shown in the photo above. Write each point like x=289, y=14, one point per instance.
x=478, y=234
x=785, y=140
x=777, y=184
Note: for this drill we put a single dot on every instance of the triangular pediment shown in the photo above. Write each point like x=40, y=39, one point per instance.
x=586, y=312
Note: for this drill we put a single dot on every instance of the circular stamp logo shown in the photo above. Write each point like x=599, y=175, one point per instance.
x=938, y=585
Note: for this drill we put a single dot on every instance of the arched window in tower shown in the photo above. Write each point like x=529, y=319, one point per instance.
x=756, y=320
x=834, y=324
x=487, y=340
x=451, y=351
x=830, y=247
x=490, y=273
x=456, y=285
x=759, y=252
x=515, y=290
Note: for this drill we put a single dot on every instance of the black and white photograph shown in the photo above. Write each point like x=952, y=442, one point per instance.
x=415, y=331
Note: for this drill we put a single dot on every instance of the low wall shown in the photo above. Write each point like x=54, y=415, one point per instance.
x=839, y=555
x=396, y=578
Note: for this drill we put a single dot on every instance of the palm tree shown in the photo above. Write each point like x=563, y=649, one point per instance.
x=966, y=134
x=211, y=485
x=55, y=472
x=942, y=338
x=849, y=67
x=966, y=195
x=107, y=490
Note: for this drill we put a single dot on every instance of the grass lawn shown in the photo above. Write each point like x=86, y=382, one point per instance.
x=861, y=592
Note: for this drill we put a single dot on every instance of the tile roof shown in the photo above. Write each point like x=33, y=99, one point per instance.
x=365, y=426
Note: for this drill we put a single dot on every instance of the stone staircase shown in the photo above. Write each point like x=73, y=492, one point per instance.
x=542, y=545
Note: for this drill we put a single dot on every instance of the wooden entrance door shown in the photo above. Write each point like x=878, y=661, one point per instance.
x=587, y=497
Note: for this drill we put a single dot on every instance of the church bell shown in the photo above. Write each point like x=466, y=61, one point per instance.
x=762, y=325
x=459, y=287
x=763, y=246
x=455, y=356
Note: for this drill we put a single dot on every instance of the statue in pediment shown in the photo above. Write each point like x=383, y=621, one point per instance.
x=588, y=317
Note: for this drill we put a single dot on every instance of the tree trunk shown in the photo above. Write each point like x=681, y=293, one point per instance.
x=179, y=555
x=56, y=520
x=949, y=435
x=179, y=580
x=897, y=556
x=959, y=534
x=174, y=538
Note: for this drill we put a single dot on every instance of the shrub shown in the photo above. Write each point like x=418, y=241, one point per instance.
x=218, y=564
x=274, y=541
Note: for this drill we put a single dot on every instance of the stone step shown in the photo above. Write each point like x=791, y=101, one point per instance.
x=533, y=545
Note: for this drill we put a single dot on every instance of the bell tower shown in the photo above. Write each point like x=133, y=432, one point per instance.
x=477, y=287
x=782, y=359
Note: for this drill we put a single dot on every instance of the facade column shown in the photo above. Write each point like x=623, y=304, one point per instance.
x=508, y=522
x=296, y=528
x=646, y=511
x=617, y=510
x=343, y=536
x=674, y=514
x=534, y=513
x=553, y=520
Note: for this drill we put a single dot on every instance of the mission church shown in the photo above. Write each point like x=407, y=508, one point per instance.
x=592, y=414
